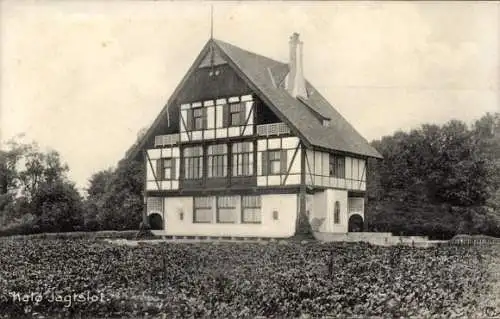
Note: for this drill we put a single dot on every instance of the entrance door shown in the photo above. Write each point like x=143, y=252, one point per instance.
x=156, y=221
x=355, y=223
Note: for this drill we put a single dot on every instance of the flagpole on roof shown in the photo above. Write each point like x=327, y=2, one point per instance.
x=211, y=21
x=212, y=36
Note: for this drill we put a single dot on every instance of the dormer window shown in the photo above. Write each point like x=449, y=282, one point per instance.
x=326, y=122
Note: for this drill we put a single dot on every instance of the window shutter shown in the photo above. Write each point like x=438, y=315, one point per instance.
x=242, y=114
x=225, y=115
x=159, y=169
x=205, y=118
x=265, y=162
x=189, y=120
x=173, y=169
x=283, y=166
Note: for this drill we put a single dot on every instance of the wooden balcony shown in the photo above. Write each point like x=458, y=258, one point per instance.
x=164, y=140
x=272, y=129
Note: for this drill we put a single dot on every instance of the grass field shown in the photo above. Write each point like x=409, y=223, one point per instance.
x=79, y=277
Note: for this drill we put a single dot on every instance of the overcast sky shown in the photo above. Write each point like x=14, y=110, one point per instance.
x=84, y=77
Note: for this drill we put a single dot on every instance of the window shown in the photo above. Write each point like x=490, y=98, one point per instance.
x=242, y=159
x=165, y=168
x=217, y=160
x=251, y=209
x=234, y=114
x=154, y=204
x=336, y=213
x=193, y=162
x=198, y=118
x=202, y=210
x=275, y=215
x=274, y=162
x=226, y=209
x=237, y=113
x=337, y=166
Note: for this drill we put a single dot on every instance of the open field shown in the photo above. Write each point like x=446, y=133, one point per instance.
x=91, y=278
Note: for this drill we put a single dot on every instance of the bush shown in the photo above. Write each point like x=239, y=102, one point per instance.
x=108, y=234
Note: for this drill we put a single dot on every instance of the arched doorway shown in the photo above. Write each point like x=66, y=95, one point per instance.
x=156, y=221
x=355, y=223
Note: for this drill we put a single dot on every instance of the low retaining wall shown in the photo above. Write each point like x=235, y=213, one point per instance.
x=381, y=239
x=474, y=240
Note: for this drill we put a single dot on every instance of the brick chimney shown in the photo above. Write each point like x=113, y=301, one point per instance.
x=295, y=82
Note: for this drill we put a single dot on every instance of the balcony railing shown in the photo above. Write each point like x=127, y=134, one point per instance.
x=272, y=129
x=163, y=140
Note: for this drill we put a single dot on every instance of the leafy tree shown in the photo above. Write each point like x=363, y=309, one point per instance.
x=437, y=179
x=58, y=207
x=115, y=197
x=99, y=183
x=36, y=194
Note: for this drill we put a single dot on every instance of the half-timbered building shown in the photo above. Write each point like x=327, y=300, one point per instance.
x=246, y=145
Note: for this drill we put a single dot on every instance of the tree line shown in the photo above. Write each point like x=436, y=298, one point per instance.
x=37, y=196
x=435, y=180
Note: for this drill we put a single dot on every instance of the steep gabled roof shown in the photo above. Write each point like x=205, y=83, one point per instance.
x=339, y=135
x=266, y=76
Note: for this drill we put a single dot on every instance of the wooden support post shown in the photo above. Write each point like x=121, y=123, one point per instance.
x=145, y=221
x=303, y=227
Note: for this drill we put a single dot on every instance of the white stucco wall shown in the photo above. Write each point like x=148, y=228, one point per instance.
x=323, y=211
x=284, y=226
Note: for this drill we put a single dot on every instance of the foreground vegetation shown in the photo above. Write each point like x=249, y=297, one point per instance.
x=241, y=280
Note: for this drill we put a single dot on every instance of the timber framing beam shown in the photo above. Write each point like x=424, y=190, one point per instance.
x=362, y=175
x=250, y=113
x=152, y=170
x=308, y=167
x=188, y=133
x=291, y=163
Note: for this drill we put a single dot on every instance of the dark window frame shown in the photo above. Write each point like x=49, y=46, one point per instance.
x=235, y=114
x=270, y=161
x=218, y=205
x=219, y=170
x=337, y=166
x=198, y=117
x=197, y=207
x=161, y=168
x=258, y=206
x=336, y=213
x=193, y=164
x=242, y=160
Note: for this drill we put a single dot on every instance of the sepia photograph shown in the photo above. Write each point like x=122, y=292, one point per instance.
x=248, y=159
